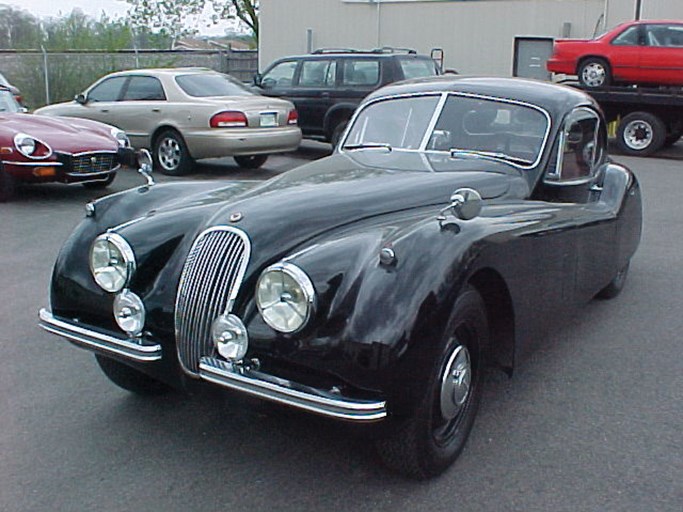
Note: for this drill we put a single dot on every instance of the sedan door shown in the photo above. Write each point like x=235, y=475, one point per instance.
x=661, y=58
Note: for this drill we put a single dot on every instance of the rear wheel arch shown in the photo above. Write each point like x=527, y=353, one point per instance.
x=500, y=311
x=335, y=116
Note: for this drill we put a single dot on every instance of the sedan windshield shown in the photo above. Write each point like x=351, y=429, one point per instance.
x=211, y=84
x=7, y=102
x=466, y=127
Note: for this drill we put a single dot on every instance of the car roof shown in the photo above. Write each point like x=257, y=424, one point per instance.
x=326, y=53
x=164, y=71
x=552, y=97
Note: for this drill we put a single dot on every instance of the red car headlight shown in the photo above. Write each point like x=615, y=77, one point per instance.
x=31, y=147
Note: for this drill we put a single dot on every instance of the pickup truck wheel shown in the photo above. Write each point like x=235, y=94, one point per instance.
x=171, y=155
x=640, y=134
x=594, y=72
x=429, y=441
x=129, y=378
x=251, y=161
x=8, y=186
x=672, y=138
x=97, y=185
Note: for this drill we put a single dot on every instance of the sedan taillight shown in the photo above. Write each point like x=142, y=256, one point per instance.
x=293, y=117
x=228, y=119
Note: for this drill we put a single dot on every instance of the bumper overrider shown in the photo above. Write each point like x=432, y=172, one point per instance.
x=222, y=373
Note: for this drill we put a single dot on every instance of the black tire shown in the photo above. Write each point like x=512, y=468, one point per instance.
x=640, y=134
x=615, y=285
x=594, y=72
x=129, y=378
x=8, y=187
x=170, y=154
x=98, y=185
x=250, y=161
x=672, y=138
x=337, y=133
x=428, y=442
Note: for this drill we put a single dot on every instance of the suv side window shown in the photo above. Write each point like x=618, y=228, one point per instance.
x=282, y=75
x=318, y=73
x=361, y=72
x=107, y=90
x=144, y=88
x=417, y=68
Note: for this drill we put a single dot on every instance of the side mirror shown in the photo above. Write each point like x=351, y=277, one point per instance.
x=465, y=204
x=268, y=83
x=257, y=79
x=81, y=99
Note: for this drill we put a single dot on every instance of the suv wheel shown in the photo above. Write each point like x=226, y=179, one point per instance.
x=337, y=133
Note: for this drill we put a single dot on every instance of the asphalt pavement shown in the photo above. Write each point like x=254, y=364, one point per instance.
x=591, y=420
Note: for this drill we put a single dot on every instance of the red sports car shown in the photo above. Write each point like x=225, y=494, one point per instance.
x=639, y=52
x=41, y=149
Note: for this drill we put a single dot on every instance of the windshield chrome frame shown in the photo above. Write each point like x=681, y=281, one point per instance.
x=437, y=113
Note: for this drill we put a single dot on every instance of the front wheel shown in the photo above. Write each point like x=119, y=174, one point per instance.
x=251, y=161
x=641, y=134
x=129, y=378
x=594, y=72
x=171, y=155
x=429, y=441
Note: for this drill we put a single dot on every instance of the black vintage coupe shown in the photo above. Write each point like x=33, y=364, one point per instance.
x=453, y=222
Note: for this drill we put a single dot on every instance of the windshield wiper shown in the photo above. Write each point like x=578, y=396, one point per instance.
x=492, y=155
x=367, y=145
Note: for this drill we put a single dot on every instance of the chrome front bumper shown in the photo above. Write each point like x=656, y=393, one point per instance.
x=224, y=374
x=136, y=350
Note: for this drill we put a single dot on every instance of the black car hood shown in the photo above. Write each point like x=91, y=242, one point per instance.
x=280, y=214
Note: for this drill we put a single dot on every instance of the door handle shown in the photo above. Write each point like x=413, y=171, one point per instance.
x=105, y=110
x=325, y=95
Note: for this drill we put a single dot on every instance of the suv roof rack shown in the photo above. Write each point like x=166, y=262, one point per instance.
x=383, y=49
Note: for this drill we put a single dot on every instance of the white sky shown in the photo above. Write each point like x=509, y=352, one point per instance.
x=93, y=8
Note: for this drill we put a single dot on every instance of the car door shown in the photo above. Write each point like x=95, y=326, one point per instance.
x=573, y=182
x=100, y=100
x=661, y=58
x=624, y=54
x=313, y=93
x=143, y=104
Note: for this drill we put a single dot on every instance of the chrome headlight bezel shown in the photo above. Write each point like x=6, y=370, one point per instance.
x=118, y=273
x=297, y=292
x=30, y=147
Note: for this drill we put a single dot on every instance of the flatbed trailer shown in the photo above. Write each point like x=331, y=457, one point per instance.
x=647, y=118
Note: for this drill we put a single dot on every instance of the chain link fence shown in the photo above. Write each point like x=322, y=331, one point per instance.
x=52, y=77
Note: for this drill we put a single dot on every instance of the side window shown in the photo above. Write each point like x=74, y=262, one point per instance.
x=579, y=149
x=144, y=88
x=318, y=73
x=282, y=75
x=629, y=37
x=361, y=72
x=107, y=90
x=417, y=68
x=672, y=36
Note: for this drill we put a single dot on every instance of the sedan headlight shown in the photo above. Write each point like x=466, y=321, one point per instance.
x=112, y=262
x=120, y=137
x=285, y=297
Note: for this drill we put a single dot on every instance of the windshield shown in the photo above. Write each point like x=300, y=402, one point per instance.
x=211, y=84
x=466, y=127
x=7, y=102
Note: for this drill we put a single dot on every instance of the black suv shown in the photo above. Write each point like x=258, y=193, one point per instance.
x=327, y=85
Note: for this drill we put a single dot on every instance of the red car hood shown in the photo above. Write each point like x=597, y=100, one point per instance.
x=62, y=134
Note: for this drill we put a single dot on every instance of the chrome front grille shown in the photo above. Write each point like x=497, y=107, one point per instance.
x=90, y=163
x=209, y=283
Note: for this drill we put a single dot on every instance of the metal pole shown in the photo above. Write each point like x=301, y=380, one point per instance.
x=309, y=40
x=47, y=79
x=379, y=23
x=639, y=9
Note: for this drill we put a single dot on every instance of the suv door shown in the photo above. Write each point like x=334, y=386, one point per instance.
x=313, y=93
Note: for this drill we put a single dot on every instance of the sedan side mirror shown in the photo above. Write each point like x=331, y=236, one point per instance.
x=81, y=98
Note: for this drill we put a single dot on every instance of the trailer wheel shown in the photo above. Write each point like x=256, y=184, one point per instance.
x=641, y=134
x=672, y=138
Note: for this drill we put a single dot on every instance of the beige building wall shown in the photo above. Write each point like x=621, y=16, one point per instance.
x=477, y=36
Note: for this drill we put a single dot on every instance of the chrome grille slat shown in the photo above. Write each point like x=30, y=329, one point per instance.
x=209, y=283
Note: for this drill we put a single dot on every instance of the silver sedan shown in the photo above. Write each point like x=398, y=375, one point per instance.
x=187, y=114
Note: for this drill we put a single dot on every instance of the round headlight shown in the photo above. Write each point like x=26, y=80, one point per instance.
x=120, y=137
x=129, y=312
x=25, y=144
x=112, y=262
x=285, y=297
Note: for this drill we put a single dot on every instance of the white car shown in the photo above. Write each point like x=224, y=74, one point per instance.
x=184, y=114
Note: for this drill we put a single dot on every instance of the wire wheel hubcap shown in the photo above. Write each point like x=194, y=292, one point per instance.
x=169, y=153
x=638, y=135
